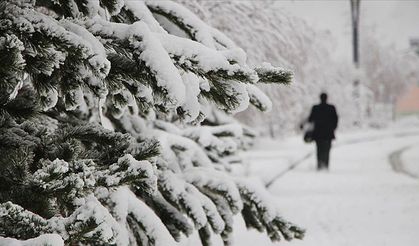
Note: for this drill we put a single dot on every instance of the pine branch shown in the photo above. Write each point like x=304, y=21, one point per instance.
x=269, y=74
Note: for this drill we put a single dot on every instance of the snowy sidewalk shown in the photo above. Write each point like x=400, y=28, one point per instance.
x=272, y=158
x=361, y=201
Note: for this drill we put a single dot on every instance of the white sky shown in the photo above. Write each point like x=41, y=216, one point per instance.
x=395, y=21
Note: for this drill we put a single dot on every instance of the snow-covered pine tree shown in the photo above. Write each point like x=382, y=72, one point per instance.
x=102, y=132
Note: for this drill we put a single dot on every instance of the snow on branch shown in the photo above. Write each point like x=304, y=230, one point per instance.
x=205, y=61
x=260, y=213
x=148, y=52
x=269, y=74
x=42, y=240
x=259, y=99
x=191, y=24
x=91, y=218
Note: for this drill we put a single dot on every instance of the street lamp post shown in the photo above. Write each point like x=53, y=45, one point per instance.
x=355, y=24
x=355, y=44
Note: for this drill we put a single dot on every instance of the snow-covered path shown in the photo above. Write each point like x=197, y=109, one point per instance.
x=361, y=201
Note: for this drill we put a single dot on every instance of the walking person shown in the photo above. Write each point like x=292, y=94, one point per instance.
x=325, y=121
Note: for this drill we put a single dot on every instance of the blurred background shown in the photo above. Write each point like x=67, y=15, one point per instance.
x=314, y=38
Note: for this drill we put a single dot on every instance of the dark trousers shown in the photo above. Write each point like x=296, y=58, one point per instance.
x=323, y=151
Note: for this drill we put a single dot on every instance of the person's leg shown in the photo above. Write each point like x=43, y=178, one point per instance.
x=327, y=147
x=323, y=154
x=318, y=149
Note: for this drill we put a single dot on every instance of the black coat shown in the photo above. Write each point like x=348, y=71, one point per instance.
x=325, y=121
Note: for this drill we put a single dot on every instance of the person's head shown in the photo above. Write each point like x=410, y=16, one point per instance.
x=323, y=97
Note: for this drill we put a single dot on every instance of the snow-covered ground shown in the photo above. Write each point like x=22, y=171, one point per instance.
x=360, y=201
x=271, y=158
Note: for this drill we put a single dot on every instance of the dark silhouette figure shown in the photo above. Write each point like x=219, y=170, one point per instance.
x=325, y=121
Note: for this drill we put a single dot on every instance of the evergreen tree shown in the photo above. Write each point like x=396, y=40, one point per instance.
x=108, y=135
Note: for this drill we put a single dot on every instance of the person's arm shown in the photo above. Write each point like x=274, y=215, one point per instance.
x=307, y=120
x=312, y=115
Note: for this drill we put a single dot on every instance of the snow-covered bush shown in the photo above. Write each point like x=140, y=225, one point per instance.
x=107, y=133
